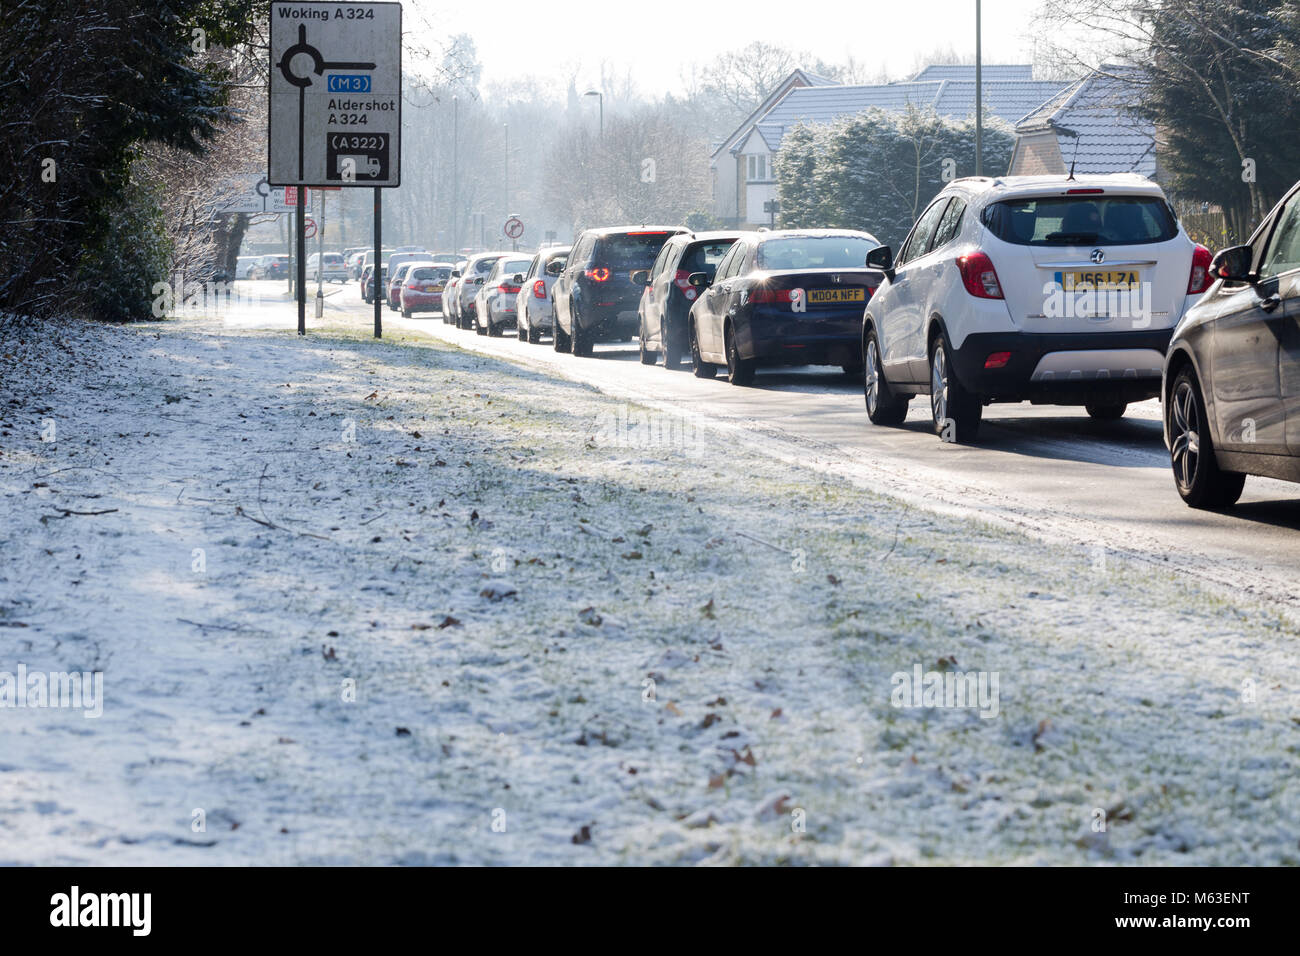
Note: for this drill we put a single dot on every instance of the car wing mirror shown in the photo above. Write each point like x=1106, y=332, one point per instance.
x=518, y=278
x=554, y=268
x=882, y=258
x=699, y=280
x=1232, y=264
x=456, y=274
x=641, y=277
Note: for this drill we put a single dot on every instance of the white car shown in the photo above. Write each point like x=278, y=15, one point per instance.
x=472, y=276
x=451, y=296
x=494, y=303
x=1053, y=290
x=244, y=265
x=533, y=314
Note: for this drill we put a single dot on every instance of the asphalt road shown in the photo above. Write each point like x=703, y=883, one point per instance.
x=1050, y=471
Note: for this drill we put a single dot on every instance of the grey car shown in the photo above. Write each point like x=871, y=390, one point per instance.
x=1231, y=385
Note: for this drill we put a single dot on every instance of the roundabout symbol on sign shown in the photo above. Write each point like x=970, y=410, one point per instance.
x=514, y=227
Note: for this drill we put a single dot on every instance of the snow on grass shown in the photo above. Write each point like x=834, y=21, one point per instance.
x=577, y=631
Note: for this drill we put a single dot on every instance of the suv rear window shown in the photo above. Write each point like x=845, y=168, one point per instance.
x=1081, y=221
x=632, y=251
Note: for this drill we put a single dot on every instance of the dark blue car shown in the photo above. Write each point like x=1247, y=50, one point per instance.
x=781, y=298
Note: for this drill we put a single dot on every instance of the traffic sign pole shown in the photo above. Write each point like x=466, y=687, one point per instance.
x=320, y=260
x=300, y=267
x=379, y=231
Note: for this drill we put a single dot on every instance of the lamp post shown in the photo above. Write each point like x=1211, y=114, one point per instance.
x=979, y=99
x=601, y=98
x=455, y=174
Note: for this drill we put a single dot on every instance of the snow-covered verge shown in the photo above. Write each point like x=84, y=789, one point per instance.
x=364, y=602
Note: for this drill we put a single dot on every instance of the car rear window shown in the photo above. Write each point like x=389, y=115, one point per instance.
x=485, y=265
x=636, y=250
x=515, y=266
x=815, y=252
x=431, y=272
x=705, y=257
x=1081, y=221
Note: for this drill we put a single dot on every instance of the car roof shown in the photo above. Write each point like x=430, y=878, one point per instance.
x=995, y=189
x=606, y=231
x=812, y=233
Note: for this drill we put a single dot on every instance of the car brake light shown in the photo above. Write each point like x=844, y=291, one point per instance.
x=1200, y=278
x=597, y=275
x=682, y=279
x=539, y=289
x=509, y=288
x=997, y=360
x=1084, y=192
x=979, y=276
x=413, y=286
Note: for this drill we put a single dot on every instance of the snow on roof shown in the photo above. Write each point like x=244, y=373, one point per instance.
x=996, y=72
x=1100, y=108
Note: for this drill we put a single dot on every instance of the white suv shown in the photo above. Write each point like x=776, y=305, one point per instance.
x=1054, y=290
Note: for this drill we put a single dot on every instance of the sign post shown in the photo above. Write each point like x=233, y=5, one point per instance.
x=335, y=104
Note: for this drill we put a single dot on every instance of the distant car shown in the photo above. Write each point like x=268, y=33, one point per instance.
x=355, y=263
x=410, y=249
x=533, y=314
x=472, y=276
x=594, y=297
x=666, y=303
x=423, y=287
x=494, y=305
x=1050, y=289
x=1229, y=389
x=244, y=266
x=368, y=282
x=451, y=295
x=271, y=267
x=395, y=280
x=781, y=298
x=328, y=267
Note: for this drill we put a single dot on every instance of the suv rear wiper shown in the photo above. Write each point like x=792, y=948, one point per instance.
x=1083, y=237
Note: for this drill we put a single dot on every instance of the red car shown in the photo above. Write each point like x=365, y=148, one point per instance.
x=422, y=288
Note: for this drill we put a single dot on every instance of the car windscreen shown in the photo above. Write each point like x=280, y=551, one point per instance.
x=631, y=251
x=814, y=252
x=1081, y=221
x=705, y=256
x=436, y=273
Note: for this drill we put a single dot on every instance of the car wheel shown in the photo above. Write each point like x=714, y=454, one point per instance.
x=701, y=368
x=562, y=341
x=671, y=352
x=1106, y=413
x=739, y=371
x=534, y=335
x=647, y=356
x=480, y=328
x=579, y=338
x=955, y=411
x=883, y=407
x=1200, y=481
x=521, y=329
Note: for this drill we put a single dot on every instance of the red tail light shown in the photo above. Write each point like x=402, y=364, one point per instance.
x=413, y=286
x=681, y=277
x=1200, y=279
x=539, y=289
x=1084, y=192
x=772, y=296
x=979, y=276
x=597, y=275
x=997, y=360
x=510, y=288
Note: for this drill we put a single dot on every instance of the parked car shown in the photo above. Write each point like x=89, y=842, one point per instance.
x=328, y=267
x=666, y=303
x=423, y=287
x=396, y=279
x=533, y=314
x=244, y=266
x=1231, y=385
x=451, y=295
x=368, y=282
x=594, y=298
x=271, y=267
x=781, y=298
x=494, y=305
x=1055, y=290
x=476, y=270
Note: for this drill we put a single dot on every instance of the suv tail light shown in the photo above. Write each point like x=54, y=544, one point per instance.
x=979, y=276
x=413, y=286
x=539, y=289
x=681, y=278
x=597, y=275
x=1200, y=278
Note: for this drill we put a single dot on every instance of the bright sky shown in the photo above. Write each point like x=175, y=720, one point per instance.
x=515, y=39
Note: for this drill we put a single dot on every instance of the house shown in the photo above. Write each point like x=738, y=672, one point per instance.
x=731, y=161
x=1092, y=126
x=1009, y=92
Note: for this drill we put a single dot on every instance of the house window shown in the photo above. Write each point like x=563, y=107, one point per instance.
x=757, y=171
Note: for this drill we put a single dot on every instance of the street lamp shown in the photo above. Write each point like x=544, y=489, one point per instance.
x=979, y=98
x=601, y=97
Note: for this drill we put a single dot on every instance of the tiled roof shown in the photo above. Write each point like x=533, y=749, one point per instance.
x=995, y=72
x=1099, y=108
x=1007, y=99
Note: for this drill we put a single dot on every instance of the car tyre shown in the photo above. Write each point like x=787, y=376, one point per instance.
x=950, y=403
x=562, y=341
x=699, y=367
x=671, y=352
x=1200, y=481
x=739, y=371
x=580, y=340
x=648, y=356
x=883, y=406
x=406, y=313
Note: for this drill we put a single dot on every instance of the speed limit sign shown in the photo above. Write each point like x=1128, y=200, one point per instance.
x=310, y=228
x=514, y=227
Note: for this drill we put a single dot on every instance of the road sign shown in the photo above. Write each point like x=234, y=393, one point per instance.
x=514, y=227
x=257, y=196
x=336, y=94
x=310, y=228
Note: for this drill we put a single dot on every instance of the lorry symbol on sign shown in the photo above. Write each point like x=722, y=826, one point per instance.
x=318, y=67
x=357, y=165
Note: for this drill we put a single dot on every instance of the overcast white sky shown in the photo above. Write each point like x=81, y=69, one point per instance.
x=516, y=39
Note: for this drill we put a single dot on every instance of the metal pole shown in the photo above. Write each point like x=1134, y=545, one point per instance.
x=379, y=232
x=979, y=98
x=601, y=98
x=506, y=127
x=300, y=267
x=455, y=175
x=320, y=259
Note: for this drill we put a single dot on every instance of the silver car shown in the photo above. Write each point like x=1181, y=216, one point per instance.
x=533, y=303
x=471, y=278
